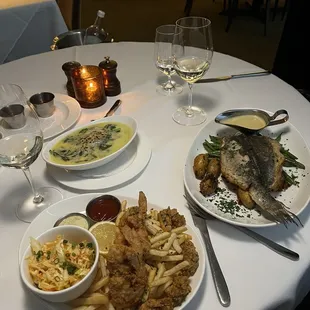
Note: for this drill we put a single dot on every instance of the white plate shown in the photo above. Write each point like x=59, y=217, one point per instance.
x=127, y=120
x=67, y=113
x=295, y=198
x=47, y=218
x=122, y=169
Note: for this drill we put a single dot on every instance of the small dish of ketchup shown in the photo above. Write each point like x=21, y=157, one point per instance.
x=103, y=208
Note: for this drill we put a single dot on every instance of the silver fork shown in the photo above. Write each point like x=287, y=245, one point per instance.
x=217, y=274
x=267, y=242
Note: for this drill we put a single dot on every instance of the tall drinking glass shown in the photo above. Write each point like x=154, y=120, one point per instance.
x=163, y=59
x=192, y=52
x=21, y=141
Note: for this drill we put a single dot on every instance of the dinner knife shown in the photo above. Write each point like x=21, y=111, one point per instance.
x=269, y=243
x=114, y=108
x=217, y=274
x=234, y=76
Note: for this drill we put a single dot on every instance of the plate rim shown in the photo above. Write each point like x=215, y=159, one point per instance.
x=196, y=231
x=146, y=144
x=229, y=221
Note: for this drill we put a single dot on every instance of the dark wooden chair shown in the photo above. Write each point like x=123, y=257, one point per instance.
x=256, y=11
x=275, y=9
x=189, y=4
x=71, y=10
x=76, y=14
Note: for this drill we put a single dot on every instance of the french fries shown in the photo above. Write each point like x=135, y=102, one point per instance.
x=162, y=236
x=159, y=253
x=168, y=245
x=91, y=300
x=120, y=215
x=153, y=225
x=172, y=258
x=176, y=268
x=150, y=228
x=152, y=274
x=98, y=285
x=158, y=244
x=160, y=271
x=161, y=289
x=179, y=230
x=176, y=246
x=123, y=205
x=154, y=215
x=161, y=281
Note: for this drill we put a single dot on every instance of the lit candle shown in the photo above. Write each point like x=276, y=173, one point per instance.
x=88, y=86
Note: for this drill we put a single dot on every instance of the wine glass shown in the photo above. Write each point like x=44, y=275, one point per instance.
x=21, y=141
x=192, y=52
x=163, y=59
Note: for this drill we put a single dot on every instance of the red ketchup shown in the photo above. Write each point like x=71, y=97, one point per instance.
x=103, y=208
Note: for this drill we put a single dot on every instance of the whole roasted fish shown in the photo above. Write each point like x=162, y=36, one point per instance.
x=254, y=164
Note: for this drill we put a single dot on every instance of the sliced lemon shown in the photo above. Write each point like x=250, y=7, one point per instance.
x=104, y=233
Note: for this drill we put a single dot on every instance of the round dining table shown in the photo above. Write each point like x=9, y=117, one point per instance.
x=257, y=277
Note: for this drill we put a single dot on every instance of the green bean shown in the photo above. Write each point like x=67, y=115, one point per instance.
x=288, y=154
x=289, y=180
x=278, y=138
x=216, y=140
x=293, y=163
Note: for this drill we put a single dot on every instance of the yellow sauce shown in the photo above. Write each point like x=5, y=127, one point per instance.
x=91, y=143
x=246, y=121
x=75, y=220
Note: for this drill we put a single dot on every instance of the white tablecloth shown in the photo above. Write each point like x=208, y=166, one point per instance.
x=258, y=278
x=28, y=27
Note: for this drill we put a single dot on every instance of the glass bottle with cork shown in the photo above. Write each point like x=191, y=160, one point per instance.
x=112, y=85
x=95, y=33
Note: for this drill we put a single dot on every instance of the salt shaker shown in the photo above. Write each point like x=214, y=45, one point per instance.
x=67, y=67
x=112, y=85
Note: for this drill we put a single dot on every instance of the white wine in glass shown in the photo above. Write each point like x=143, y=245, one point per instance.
x=163, y=59
x=192, y=56
x=21, y=141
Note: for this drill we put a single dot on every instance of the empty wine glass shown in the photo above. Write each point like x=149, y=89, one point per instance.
x=163, y=59
x=192, y=52
x=21, y=141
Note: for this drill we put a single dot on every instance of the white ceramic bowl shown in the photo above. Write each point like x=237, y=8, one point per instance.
x=129, y=121
x=73, y=234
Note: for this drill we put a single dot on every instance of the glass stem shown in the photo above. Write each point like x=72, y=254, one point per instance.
x=37, y=198
x=168, y=85
x=189, y=111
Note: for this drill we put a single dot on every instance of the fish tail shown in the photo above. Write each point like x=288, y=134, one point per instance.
x=273, y=208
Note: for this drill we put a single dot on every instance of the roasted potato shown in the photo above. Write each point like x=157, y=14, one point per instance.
x=214, y=167
x=200, y=165
x=245, y=198
x=208, y=186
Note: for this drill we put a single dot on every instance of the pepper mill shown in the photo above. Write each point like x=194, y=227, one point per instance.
x=67, y=67
x=112, y=85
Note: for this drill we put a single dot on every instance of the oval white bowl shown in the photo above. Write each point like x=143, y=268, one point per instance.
x=129, y=121
x=73, y=234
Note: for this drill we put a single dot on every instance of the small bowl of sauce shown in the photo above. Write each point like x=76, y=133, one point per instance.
x=103, y=208
x=251, y=121
x=76, y=219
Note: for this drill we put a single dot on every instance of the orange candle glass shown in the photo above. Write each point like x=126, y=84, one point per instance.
x=88, y=86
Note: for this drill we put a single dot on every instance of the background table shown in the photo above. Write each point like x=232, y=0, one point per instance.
x=258, y=278
x=28, y=27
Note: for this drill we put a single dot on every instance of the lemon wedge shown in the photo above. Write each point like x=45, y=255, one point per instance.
x=104, y=232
